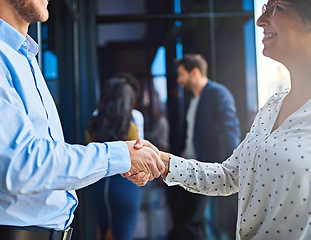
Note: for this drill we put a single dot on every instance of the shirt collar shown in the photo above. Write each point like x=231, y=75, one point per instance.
x=17, y=41
x=33, y=47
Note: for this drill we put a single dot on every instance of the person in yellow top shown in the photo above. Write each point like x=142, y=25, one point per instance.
x=112, y=120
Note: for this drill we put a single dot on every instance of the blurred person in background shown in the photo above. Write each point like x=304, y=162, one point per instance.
x=117, y=199
x=159, y=130
x=137, y=116
x=211, y=134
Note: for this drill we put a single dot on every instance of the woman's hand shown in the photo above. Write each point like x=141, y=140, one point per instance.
x=142, y=178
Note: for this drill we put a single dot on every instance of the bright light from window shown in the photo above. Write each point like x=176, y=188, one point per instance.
x=158, y=70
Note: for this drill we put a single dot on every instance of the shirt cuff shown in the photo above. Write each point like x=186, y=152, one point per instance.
x=178, y=172
x=119, y=161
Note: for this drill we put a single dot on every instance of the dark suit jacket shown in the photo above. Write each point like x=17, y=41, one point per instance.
x=216, y=129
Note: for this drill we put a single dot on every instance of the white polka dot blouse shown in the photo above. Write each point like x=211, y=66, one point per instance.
x=270, y=170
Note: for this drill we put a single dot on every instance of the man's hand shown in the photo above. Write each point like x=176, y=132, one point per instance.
x=145, y=162
x=145, y=143
x=142, y=178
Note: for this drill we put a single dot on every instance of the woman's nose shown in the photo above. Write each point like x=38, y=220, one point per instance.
x=262, y=20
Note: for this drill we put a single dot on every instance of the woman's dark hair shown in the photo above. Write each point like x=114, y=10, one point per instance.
x=303, y=7
x=130, y=79
x=112, y=120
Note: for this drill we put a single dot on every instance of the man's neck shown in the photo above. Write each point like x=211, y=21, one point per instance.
x=198, y=88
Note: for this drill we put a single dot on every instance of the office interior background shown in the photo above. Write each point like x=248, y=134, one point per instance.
x=84, y=43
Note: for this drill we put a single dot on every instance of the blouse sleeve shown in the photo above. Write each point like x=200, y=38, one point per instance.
x=213, y=179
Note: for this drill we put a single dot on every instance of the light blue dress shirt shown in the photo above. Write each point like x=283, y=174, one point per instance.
x=38, y=170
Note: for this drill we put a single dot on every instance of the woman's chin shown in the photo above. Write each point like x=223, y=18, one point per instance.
x=267, y=53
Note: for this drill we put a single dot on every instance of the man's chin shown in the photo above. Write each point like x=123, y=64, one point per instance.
x=45, y=17
x=41, y=19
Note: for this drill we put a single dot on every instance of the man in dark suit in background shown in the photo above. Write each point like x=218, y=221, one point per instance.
x=211, y=134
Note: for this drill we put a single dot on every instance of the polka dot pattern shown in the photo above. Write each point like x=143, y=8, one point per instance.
x=270, y=170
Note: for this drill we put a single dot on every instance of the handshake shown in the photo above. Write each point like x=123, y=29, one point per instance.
x=147, y=162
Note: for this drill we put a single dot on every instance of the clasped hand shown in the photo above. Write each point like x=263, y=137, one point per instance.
x=146, y=163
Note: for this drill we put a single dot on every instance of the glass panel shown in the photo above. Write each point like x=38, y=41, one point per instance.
x=158, y=70
x=120, y=32
x=120, y=7
x=160, y=85
x=194, y=6
x=227, y=5
x=58, y=64
x=248, y=5
x=50, y=64
x=193, y=36
x=158, y=66
x=250, y=70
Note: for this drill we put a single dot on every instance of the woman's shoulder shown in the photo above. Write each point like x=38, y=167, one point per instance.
x=275, y=98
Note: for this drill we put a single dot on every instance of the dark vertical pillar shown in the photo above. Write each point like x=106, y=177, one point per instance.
x=174, y=111
x=86, y=90
x=63, y=36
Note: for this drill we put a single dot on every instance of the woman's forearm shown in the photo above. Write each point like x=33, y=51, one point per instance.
x=166, y=160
